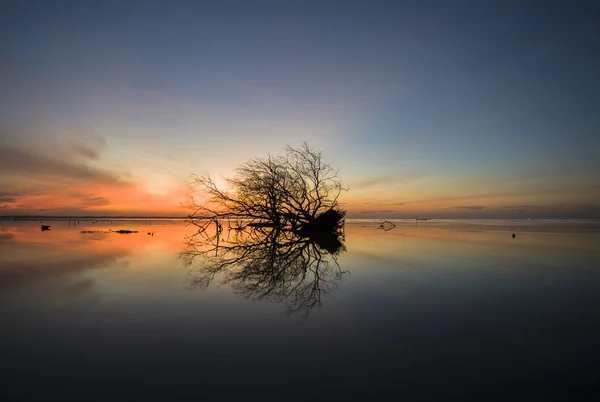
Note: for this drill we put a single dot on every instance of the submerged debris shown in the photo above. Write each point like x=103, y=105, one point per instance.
x=121, y=231
x=387, y=225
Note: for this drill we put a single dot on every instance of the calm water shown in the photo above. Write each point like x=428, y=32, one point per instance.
x=429, y=312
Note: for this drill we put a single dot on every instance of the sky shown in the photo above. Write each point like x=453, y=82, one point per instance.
x=441, y=109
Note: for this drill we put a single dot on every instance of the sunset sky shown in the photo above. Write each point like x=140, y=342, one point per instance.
x=429, y=108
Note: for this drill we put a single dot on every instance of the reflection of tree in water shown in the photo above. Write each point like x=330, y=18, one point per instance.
x=265, y=263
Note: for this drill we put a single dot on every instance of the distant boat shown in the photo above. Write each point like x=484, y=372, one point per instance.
x=45, y=227
x=423, y=219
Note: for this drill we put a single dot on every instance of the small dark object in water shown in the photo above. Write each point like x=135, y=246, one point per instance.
x=45, y=227
x=387, y=225
x=514, y=235
x=121, y=231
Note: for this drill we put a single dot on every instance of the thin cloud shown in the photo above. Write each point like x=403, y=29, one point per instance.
x=87, y=152
x=96, y=201
x=19, y=162
x=472, y=207
x=525, y=207
x=8, y=197
x=514, y=193
x=391, y=179
x=376, y=211
x=370, y=182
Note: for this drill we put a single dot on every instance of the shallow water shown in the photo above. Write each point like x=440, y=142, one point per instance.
x=421, y=312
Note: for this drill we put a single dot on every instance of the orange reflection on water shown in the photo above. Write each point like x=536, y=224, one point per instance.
x=64, y=257
x=66, y=263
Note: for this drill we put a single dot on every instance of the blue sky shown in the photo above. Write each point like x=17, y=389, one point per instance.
x=445, y=109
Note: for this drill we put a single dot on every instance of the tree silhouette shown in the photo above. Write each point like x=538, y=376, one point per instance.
x=297, y=191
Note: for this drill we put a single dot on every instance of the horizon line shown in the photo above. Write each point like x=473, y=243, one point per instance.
x=74, y=217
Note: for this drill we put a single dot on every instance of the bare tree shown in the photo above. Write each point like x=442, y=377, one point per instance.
x=296, y=191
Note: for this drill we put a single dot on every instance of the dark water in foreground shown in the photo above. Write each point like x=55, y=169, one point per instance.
x=444, y=310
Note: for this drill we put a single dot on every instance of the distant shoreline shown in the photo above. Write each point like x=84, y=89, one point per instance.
x=35, y=217
x=124, y=217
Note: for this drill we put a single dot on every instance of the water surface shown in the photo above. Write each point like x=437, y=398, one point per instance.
x=425, y=311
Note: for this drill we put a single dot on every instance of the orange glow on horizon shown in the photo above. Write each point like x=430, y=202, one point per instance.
x=101, y=201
